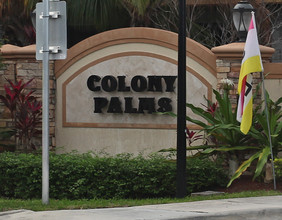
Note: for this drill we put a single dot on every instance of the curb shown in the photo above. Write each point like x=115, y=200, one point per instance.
x=14, y=212
x=262, y=214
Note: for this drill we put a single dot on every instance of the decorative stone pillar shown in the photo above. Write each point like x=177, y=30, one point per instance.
x=228, y=64
x=19, y=63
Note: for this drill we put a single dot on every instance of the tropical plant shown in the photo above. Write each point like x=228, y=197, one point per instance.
x=25, y=112
x=16, y=23
x=193, y=136
x=96, y=14
x=215, y=118
x=85, y=18
x=275, y=123
x=215, y=122
x=260, y=132
x=220, y=125
x=228, y=132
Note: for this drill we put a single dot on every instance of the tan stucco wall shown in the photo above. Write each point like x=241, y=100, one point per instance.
x=133, y=140
x=274, y=88
x=273, y=80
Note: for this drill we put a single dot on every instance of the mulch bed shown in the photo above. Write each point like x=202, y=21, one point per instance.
x=245, y=183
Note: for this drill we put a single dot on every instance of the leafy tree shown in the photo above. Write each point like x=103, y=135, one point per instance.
x=210, y=25
x=141, y=11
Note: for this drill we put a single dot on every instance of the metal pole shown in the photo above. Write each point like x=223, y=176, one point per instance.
x=269, y=134
x=45, y=97
x=181, y=104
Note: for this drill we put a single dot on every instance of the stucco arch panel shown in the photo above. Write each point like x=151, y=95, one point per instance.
x=136, y=35
x=135, y=48
x=198, y=88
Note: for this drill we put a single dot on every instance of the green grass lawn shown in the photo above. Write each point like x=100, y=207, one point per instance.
x=36, y=204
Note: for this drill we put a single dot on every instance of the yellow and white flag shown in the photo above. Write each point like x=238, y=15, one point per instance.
x=251, y=63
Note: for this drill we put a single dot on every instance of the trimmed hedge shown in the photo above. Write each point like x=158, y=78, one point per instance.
x=278, y=168
x=75, y=176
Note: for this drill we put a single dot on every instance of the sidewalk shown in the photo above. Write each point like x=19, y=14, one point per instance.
x=269, y=207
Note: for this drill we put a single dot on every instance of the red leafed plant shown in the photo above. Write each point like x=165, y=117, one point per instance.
x=211, y=108
x=25, y=112
x=192, y=136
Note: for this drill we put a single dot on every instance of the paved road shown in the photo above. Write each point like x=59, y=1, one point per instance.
x=241, y=208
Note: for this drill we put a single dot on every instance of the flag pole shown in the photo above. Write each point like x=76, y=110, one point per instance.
x=269, y=133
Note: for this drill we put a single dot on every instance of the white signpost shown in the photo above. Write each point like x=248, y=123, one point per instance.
x=51, y=44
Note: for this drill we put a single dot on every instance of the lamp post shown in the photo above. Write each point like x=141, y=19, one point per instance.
x=181, y=104
x=242, y=17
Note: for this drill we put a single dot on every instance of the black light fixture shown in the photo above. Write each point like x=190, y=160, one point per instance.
x=242, y=17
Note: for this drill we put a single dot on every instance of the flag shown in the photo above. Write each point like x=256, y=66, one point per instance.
x=251, y=63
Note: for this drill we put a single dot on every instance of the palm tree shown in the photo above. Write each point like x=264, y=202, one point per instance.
x=89, y=17
x=104, y=15
x=85, y=17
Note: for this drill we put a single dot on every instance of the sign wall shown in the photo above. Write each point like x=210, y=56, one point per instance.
x=114, y=86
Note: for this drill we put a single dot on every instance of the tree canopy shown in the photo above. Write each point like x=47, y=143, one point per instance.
x=210, y=25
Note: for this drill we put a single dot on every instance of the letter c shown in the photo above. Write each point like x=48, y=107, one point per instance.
x=90, y=83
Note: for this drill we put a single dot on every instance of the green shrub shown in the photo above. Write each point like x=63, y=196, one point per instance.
x=278, y=168
x=84, y=176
